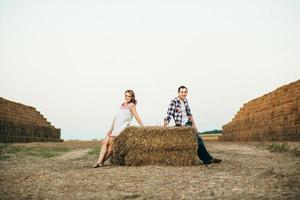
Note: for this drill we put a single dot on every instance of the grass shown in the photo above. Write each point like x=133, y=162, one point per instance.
x=274, y=147
x=9, y=150
x=95, y=151
x=295, y=152
x=283, y=148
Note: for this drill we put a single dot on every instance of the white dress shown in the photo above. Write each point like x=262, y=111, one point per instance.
x=122, y=120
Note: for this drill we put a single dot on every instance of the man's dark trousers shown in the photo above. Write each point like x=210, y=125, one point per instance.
x=201, y=150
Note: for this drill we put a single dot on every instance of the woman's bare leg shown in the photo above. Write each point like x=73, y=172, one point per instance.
x=103, y=151
x=109, y=149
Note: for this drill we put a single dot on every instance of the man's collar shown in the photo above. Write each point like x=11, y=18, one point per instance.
x=178, y=99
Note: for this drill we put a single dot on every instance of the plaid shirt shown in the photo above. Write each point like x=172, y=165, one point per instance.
x=175, y=112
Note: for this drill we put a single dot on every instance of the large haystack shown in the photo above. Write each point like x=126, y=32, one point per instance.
x=155, y=145
x=21, y=123
x=272, y=117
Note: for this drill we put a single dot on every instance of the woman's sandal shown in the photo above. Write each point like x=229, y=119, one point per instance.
x=97, y=165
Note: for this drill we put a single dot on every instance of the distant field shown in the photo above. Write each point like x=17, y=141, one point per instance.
x=211, y=137
x=62, y=171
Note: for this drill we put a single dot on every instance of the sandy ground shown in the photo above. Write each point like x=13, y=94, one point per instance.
x=247, y=172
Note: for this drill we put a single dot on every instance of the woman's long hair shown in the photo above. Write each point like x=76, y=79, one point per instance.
x=133, y=100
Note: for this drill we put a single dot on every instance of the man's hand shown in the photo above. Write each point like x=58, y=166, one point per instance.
x=165, y=124
x=194, y=126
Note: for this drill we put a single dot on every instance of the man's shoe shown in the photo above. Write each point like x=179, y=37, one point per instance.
x=215, y=160
x=207, y=162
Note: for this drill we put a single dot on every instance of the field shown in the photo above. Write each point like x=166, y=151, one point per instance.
x=211, y=137
x=62, y=171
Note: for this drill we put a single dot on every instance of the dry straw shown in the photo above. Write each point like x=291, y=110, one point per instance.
x=155, y=146
x=20, y=123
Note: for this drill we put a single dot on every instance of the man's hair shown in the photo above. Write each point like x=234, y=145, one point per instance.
x=182, y=87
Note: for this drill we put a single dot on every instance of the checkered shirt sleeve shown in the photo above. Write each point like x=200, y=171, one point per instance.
x=188, y=109
x=170, y=112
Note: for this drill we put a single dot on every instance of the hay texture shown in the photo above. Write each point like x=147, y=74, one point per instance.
x=272, y=117
x=21, y=123
x=155, y=146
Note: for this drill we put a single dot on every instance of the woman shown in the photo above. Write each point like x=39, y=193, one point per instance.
x=120, y=122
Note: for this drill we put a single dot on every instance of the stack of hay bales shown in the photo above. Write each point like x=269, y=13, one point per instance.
x=155, y=146
x=272, y=117
x=20, y=123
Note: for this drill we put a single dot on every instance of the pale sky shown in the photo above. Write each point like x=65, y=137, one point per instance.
x=73, y=60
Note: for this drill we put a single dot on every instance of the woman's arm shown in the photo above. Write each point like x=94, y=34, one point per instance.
x=112, y=125
x=136, y=115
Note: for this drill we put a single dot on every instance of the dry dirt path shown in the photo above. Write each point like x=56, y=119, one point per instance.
x=248, y=172
x=74, y=154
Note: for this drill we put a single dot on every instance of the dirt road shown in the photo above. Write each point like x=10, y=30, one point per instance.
x=247, y=172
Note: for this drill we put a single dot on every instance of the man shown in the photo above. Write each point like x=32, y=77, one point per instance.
x=180, y=111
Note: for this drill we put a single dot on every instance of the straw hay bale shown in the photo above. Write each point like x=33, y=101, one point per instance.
x=155, y=146
x=272, y=117
x=20, y=123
